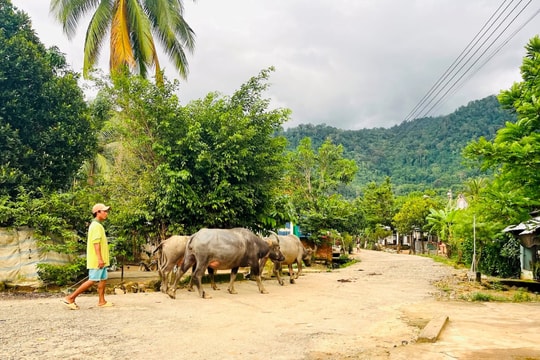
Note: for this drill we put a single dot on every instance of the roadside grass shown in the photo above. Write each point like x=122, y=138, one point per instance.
x=446, y=261
x=517, y=296
x=347, y=261
x=461, y=287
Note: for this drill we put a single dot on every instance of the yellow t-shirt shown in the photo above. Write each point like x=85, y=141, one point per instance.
x=96, y=234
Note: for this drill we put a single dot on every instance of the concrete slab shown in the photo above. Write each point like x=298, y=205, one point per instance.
x=433, y=329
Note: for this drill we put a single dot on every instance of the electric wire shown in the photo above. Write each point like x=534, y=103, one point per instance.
x=493, y=53
x=444, y=96
x=422, y=112
x=463, y=53
x=420, y=109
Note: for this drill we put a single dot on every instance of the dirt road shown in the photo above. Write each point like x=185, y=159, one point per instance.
x=372, y=310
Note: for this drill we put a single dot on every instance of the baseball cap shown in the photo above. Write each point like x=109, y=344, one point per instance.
x=99, y=207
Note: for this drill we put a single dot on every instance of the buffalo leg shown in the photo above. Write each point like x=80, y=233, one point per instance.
x=291, y=274
x=211, y=273
x=165, y=275
x=190, y=284
x=231, y=289
x=299, y=263
x=276, y=271
x=255, y=270
x=197, y=279
x=186, y=264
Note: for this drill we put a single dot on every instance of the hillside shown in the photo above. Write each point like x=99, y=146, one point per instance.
x=420, y=154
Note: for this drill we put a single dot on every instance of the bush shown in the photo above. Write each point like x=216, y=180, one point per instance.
x=482, y=297
x=62, y=275
x=501, y=258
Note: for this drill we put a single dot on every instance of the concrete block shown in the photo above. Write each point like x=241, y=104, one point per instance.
x=433, y=329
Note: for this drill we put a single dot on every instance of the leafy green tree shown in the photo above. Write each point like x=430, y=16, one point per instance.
x=441, y=221
x=514, y=154
x=312, y=182
x=131, y=25
x=45, y=130
x=213, y=163
x=223, y=165
x=413, y=213
x=378, y=203
x=474, y=187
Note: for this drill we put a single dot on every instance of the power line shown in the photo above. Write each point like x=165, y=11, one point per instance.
x=451, y=73
x=444, y=96
x=454, y=64
x=499, y=48
x=422, y=110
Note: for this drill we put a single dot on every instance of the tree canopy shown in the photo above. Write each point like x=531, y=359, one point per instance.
x=418, y=155
x=131, y=25
x=514, y=154
x=45, y=129
x=211, y=163
x=312, y=182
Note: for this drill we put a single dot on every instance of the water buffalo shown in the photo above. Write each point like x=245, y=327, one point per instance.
x=223, y=249
x=170, y=254
x=293, y=251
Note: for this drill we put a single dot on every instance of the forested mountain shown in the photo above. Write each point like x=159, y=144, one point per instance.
x=420, y=154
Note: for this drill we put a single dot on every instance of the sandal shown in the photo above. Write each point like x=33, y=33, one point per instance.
x=107, y=304
x=70, y=306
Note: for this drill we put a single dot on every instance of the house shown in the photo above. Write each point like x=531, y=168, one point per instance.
x=529, y=236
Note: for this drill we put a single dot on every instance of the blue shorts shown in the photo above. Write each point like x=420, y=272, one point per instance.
x=97, y=274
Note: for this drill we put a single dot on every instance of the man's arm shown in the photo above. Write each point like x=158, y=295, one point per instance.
x=97, y=248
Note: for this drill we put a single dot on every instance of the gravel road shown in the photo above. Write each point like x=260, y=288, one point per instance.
x=374, y=309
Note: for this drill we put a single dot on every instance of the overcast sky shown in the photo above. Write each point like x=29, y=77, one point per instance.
x=351, y=64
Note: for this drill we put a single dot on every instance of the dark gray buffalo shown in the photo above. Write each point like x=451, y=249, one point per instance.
x=293, y=251
x=170, y=254
x=223, y=249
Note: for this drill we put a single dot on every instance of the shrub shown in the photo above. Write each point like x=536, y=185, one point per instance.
x=62, y=275
x=521, y=296
x=478, y=296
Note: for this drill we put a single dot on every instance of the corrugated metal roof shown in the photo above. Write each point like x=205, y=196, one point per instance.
x=527, y=227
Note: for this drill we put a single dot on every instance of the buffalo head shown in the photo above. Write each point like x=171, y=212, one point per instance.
x=307, y=255
x=275, y=253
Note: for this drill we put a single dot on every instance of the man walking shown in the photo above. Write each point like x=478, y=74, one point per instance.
x=97, y=259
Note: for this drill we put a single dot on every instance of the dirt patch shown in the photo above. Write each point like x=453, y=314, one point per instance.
x=460, y=285
x=374, y=309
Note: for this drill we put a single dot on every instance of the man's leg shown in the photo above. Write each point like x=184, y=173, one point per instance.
x=101, y=292
x=84, y=286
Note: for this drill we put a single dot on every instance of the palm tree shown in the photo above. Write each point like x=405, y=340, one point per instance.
x=441, y=221
x=131, y=25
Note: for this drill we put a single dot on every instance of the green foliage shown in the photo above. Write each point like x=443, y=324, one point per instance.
x=312, y=181
x=413, y=212
x=514, y=154
x=522, y=296
x=58, y=218
x=419, y=155
x=378, y=204
x=213, y=163
x=440, y=221
x=62, y=275
x=221, y=163
x=500, y=257
x=45, y=132
x=481, y=297
x=133, y=28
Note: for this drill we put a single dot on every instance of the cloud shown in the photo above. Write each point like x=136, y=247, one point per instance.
x=351, y=64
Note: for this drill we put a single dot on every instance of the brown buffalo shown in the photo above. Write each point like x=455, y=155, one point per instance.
x=170, y=254
x=293, y=252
